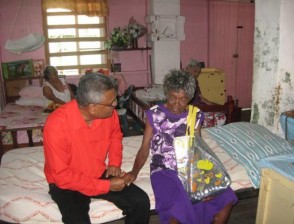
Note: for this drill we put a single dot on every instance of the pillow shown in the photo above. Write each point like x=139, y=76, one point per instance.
x=31, y=101
x=31, y=91
x=248, y=143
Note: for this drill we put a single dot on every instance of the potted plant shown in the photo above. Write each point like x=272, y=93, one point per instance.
x=119, y=39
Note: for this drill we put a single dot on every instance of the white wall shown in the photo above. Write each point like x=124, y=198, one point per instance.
x=273, y=78
x=165, y=53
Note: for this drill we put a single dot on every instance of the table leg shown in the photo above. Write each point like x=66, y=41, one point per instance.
x=30, y=136
x=14, y=139
x=1, y=147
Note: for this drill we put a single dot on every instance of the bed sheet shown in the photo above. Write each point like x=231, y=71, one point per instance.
x=15, y=117
x=24, y=191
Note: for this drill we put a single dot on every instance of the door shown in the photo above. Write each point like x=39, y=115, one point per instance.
x=231, y=35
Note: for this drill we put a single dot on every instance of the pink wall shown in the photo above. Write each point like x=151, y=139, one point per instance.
x=135, y=64
x=196, y=30
x=8, y=11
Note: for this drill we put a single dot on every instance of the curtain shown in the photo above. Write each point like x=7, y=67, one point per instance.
x=84, y=7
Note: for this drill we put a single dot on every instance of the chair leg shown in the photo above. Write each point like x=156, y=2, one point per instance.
x=124, y=124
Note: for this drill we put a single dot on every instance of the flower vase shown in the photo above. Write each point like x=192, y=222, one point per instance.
x=135, y=43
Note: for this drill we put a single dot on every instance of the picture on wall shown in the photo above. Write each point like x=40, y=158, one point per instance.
x=17, y=69
x=38, y=65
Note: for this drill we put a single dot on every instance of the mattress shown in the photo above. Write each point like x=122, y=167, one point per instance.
x=17, y=117
x=24, y=191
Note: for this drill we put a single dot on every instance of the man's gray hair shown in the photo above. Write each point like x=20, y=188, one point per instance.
x=92, y=87
x=177, y=80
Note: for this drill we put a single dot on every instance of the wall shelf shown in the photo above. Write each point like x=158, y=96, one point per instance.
x=133, y=49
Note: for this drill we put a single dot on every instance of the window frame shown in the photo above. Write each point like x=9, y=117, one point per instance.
x=81, y=68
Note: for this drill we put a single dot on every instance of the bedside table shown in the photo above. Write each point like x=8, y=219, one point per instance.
x=276, y=198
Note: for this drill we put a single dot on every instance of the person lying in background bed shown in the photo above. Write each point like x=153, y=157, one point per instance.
x=163, y=123
x=55, y=89
x=78, y=137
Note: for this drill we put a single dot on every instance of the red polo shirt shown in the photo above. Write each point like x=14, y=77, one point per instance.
x=75, y=153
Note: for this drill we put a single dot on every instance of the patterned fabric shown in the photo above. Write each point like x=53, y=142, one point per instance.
x=24, y=194
x=213, y=119
x=166, y=126
x=247, y=143
x=22, y=117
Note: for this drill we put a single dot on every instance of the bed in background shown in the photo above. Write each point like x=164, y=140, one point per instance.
x=24, y=192
x=24, y=114
x=22, y=118
x=215, y=115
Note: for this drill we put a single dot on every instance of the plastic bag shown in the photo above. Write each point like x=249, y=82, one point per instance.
x=201, y=173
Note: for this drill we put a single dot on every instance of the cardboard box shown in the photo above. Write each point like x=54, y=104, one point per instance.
x=276, y=199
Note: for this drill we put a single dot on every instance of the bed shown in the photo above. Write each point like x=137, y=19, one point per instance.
x=215, y=115
x=24, y=192
x=22, y=118
x=18, y=123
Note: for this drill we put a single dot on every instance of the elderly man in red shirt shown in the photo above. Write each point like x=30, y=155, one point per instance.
x=78, y=137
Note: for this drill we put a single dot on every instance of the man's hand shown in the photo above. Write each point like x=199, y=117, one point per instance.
x=117, y=184
x=113, y=171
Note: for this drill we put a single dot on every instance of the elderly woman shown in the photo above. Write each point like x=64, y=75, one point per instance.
x=163, y=123
x=55, y=90
x=194, y=69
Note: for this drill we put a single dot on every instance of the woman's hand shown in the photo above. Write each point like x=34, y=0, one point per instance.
x=129, y=177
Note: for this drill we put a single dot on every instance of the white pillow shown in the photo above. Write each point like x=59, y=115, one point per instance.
x=31, y=101
x=31, y=91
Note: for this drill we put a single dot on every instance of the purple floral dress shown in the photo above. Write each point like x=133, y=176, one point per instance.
x=170, y=195
x=166, y=126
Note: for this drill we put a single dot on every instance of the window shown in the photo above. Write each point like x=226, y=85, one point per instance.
x=74, y=42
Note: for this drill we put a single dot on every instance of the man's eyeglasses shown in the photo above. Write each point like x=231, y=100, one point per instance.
x=112, y=104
